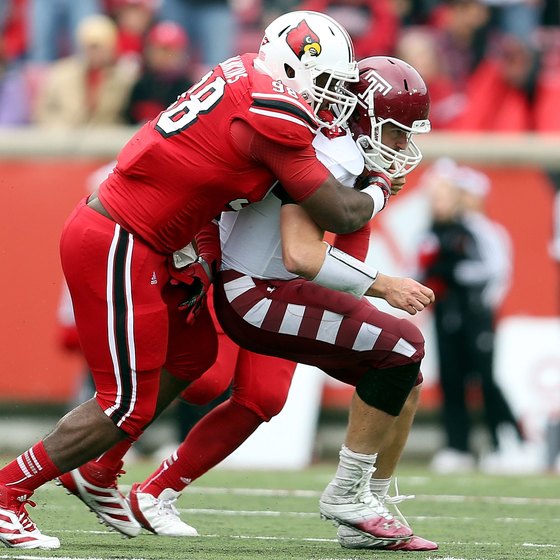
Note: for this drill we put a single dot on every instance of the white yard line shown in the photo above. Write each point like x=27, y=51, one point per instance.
x=268, y=492
x=291, y=539
x=281, y=493
x=315, y=514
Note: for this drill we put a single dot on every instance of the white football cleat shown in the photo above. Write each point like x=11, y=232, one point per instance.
x=96, y=486
x=348, y=537
x=17, y=530
x=365, y=513
x=159, y=515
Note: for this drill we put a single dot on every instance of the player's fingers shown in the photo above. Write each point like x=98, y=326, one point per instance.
x=429, y=293
x=411, y=309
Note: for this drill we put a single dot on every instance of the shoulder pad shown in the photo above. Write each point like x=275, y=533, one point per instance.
x=280, y=115
x=339, y=150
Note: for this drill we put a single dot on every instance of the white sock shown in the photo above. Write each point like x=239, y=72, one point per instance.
x=353, y=468
x=380, y=486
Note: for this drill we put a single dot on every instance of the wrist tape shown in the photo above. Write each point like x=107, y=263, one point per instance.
x=375, y=192
x=344, y=273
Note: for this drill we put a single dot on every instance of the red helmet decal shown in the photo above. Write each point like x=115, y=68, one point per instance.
x=302, y=40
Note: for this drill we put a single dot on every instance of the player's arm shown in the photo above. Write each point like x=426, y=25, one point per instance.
x=339, y=209
x=294, y=163
x=355, y=243
x=304, y=253
x=303, y=250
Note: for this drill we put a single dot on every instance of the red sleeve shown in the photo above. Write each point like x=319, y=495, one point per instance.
x=356, y=243
x=208, y=244
x=298, y=170
x=382, y=33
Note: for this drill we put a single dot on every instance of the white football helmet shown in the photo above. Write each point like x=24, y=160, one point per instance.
x=312, y=54
x=389, y=91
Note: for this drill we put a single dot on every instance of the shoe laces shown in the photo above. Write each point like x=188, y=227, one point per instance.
x=367, y=497
x=397, y=499
x=167, y=507
x=23, y=516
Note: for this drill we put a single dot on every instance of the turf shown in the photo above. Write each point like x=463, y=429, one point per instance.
x=273, y=516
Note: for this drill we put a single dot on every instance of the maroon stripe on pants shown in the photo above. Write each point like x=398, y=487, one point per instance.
x=274, y=316
x=310, y=322
x=348, y=332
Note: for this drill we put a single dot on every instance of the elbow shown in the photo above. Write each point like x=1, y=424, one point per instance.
x=295, y=262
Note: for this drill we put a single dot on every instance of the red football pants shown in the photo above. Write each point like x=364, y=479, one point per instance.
x=127, y=318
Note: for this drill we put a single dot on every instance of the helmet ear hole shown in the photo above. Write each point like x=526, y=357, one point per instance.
x=290, y=72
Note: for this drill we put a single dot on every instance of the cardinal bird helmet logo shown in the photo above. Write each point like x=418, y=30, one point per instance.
x=302, y=40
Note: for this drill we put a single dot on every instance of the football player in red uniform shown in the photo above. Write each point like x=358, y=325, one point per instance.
x=219, y=146
x=252, y=252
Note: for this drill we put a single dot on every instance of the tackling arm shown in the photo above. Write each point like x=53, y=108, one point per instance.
x=332, y=206
x=337, y=208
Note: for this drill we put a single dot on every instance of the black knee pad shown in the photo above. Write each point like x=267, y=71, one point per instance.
x=388, y=389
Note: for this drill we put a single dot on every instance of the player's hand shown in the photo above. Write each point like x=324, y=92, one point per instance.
x=378, y=179
x=198, y=276
x=397, y=185
x=402, y=293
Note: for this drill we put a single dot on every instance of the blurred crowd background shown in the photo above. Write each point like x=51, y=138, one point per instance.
x=491, y=65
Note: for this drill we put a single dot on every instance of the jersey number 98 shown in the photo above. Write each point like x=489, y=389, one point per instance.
x=185, y=111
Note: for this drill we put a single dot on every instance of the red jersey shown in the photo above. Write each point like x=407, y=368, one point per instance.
x=220, y=146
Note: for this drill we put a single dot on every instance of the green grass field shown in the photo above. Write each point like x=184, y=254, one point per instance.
x=274, y=516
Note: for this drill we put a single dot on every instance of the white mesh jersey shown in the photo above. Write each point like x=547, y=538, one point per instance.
x=250, y=238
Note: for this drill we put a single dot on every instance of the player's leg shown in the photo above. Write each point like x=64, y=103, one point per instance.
x=351, y=340
x=255, y=398
x=99, y=258
x=348, y=498
x=96, y=482
x=385, y=467
x=218, y=377
x=20, y=478
x=117, y=285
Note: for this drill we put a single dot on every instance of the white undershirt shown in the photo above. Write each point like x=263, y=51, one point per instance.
x=250, y=238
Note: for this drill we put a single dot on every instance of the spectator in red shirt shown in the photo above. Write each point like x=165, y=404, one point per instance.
x=420, y=48
x=134, y=19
